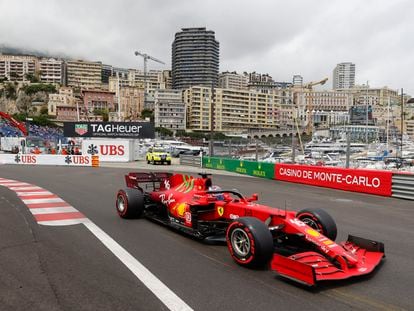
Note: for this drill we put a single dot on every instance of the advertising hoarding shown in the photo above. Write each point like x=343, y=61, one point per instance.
x=356, y=180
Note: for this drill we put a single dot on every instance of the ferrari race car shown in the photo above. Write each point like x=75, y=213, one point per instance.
x=297, y=245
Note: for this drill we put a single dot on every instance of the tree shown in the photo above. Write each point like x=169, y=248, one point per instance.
x=103, y=113
x=35, y=88
x=147, y=113
x=10, y=91
x=32, y=78
x=44, y=110
x=164, y=131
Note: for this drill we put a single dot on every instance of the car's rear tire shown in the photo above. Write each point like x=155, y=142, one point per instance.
x=250, y=242
x=319, y=220
x=129, y=203
x=168, y=162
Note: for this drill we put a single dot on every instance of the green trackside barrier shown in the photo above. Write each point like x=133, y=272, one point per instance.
x=252, y=168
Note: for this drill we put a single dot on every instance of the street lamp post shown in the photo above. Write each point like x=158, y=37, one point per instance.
x=402, y=120
x=211, y=145
x=366, y=112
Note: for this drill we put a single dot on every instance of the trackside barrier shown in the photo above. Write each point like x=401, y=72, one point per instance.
x=403, y=186
x=384, y=183
x=251, y=168
x=190, y=160
x=49, y=159
x=356, y=180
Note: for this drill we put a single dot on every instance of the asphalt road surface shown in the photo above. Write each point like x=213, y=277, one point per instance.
x=68, y=268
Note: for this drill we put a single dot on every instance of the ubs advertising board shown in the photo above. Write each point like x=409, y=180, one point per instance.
x=133, y=130
x=366, y=181
x=109, y=150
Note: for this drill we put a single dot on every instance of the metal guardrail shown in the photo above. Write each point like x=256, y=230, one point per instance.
x=403, y=186
x=190, y=160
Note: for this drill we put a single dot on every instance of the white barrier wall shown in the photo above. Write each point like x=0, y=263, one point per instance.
x=109, y=150
x=46, y=159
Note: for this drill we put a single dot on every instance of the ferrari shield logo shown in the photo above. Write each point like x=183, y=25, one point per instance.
x=81, y=129
x=220, y=210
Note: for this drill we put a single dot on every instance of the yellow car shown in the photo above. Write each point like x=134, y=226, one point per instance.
x=158, y=155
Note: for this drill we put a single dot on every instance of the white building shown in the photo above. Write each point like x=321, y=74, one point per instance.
x=18, y=67
x=51, y=70
x=344, y=76
x=169, y=110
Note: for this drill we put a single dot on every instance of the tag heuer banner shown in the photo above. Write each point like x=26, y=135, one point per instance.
x=109, y=129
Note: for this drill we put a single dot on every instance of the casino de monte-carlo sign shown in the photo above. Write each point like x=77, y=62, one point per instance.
x=109, y=129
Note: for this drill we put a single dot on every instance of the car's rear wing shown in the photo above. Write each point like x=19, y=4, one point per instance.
x=146, y=181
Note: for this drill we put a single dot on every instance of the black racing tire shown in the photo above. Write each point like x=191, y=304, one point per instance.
x=129, y=203
x=250, y=242
x=319, y=220
x=148, y=161
x=168, y=162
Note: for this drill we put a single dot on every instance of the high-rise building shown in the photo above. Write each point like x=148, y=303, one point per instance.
x=344, y=76
x=195, y=58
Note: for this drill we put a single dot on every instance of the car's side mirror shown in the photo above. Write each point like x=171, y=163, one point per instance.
x=254, y=197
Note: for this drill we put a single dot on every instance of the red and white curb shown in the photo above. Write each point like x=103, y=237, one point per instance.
x=50, y=210
x=47, y=208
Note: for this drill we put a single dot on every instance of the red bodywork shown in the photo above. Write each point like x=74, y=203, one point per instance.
x=15, y=123
x=325, y=260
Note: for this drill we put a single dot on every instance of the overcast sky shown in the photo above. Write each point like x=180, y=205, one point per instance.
x=281, y=38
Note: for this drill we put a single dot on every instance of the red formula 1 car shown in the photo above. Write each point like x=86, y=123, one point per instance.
x=298, y=245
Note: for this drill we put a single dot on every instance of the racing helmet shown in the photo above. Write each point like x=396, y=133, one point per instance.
x=219, y=196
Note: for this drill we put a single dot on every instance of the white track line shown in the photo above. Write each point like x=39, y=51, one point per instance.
x=167, y=296
x=51, y=200
x=25, y=188
x=158, y=288
x=53, y=210
x=28, y=193
x=64, y=222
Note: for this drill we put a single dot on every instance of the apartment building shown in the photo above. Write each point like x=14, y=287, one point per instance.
x=169, y=110
x=84, y=74
x=344, y=76
x=324, y=108
x=18, y=67
x=155, y=79
x=233, y=80
x=233, y=110
x=51, y=70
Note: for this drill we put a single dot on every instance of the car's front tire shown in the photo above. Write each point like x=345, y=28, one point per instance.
x=129, y=203
x=250, y=242
x=319, y=220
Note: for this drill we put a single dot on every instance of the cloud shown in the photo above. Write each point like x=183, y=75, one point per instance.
x=282, y=38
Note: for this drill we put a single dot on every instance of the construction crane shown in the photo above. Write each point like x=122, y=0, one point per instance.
x=146, y=57
x=309, y=86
